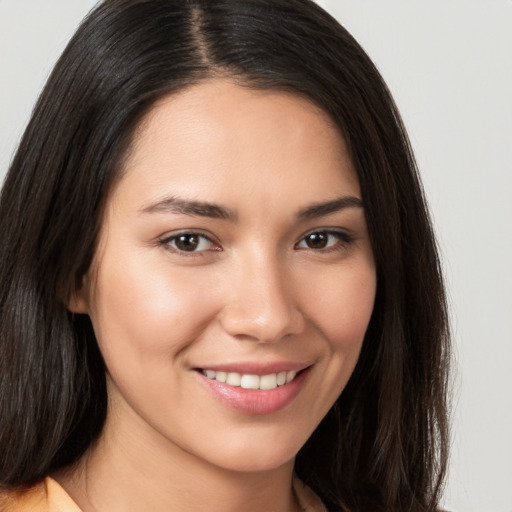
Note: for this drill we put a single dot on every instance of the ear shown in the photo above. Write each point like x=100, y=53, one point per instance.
x=78, y=301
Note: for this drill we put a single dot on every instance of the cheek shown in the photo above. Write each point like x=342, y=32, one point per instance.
x=150, y=310
x=342, y=306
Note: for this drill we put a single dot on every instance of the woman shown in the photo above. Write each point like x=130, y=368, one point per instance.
x=219, y=283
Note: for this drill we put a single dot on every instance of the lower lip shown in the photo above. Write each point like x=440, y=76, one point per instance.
x=256, y=401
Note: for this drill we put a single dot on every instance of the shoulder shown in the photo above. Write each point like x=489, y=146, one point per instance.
x=45, y=496
x=308, y=500
x=24, y=500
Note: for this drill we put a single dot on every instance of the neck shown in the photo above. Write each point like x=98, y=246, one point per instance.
x=127, y=472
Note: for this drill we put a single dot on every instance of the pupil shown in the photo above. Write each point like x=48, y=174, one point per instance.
x=317, y=240
x=187, y=242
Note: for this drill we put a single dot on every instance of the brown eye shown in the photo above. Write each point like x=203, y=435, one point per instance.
x=189, y=242
x=324, y=240
x=317, y=240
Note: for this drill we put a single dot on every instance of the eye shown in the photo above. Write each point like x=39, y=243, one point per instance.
x=324, y=240
x=189, y=243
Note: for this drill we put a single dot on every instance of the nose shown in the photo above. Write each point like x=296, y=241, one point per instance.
x=262, y=305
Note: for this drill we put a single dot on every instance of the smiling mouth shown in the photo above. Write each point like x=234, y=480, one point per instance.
x=249, y=381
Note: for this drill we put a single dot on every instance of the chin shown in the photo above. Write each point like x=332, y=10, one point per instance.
x=258, y=455
x=263, y=464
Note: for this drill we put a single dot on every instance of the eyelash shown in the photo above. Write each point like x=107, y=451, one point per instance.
x=169, y=240
x=343, y=240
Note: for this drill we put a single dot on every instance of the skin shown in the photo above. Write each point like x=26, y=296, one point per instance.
x=254, y=290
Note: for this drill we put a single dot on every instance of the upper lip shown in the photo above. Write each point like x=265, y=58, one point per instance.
x=256, y=368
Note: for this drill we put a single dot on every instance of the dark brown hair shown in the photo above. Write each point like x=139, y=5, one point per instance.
x=383, y=446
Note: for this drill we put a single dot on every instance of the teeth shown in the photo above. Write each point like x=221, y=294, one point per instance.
x=234, y=379
x=220, y=376
x=250, y=381
x=264, y=382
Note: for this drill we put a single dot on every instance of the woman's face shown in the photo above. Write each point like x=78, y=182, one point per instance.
x=234, y=248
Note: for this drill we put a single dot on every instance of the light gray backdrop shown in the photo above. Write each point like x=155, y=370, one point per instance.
x=449, y=65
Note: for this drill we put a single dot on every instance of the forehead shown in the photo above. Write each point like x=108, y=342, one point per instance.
x=217, y=137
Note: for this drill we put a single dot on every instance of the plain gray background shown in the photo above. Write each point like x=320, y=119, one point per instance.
x=448, y=64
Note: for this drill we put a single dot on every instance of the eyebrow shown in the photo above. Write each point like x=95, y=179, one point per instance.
x=328, y=207
x=176, y=205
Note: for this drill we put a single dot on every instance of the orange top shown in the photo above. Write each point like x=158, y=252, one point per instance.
x=49, y=496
